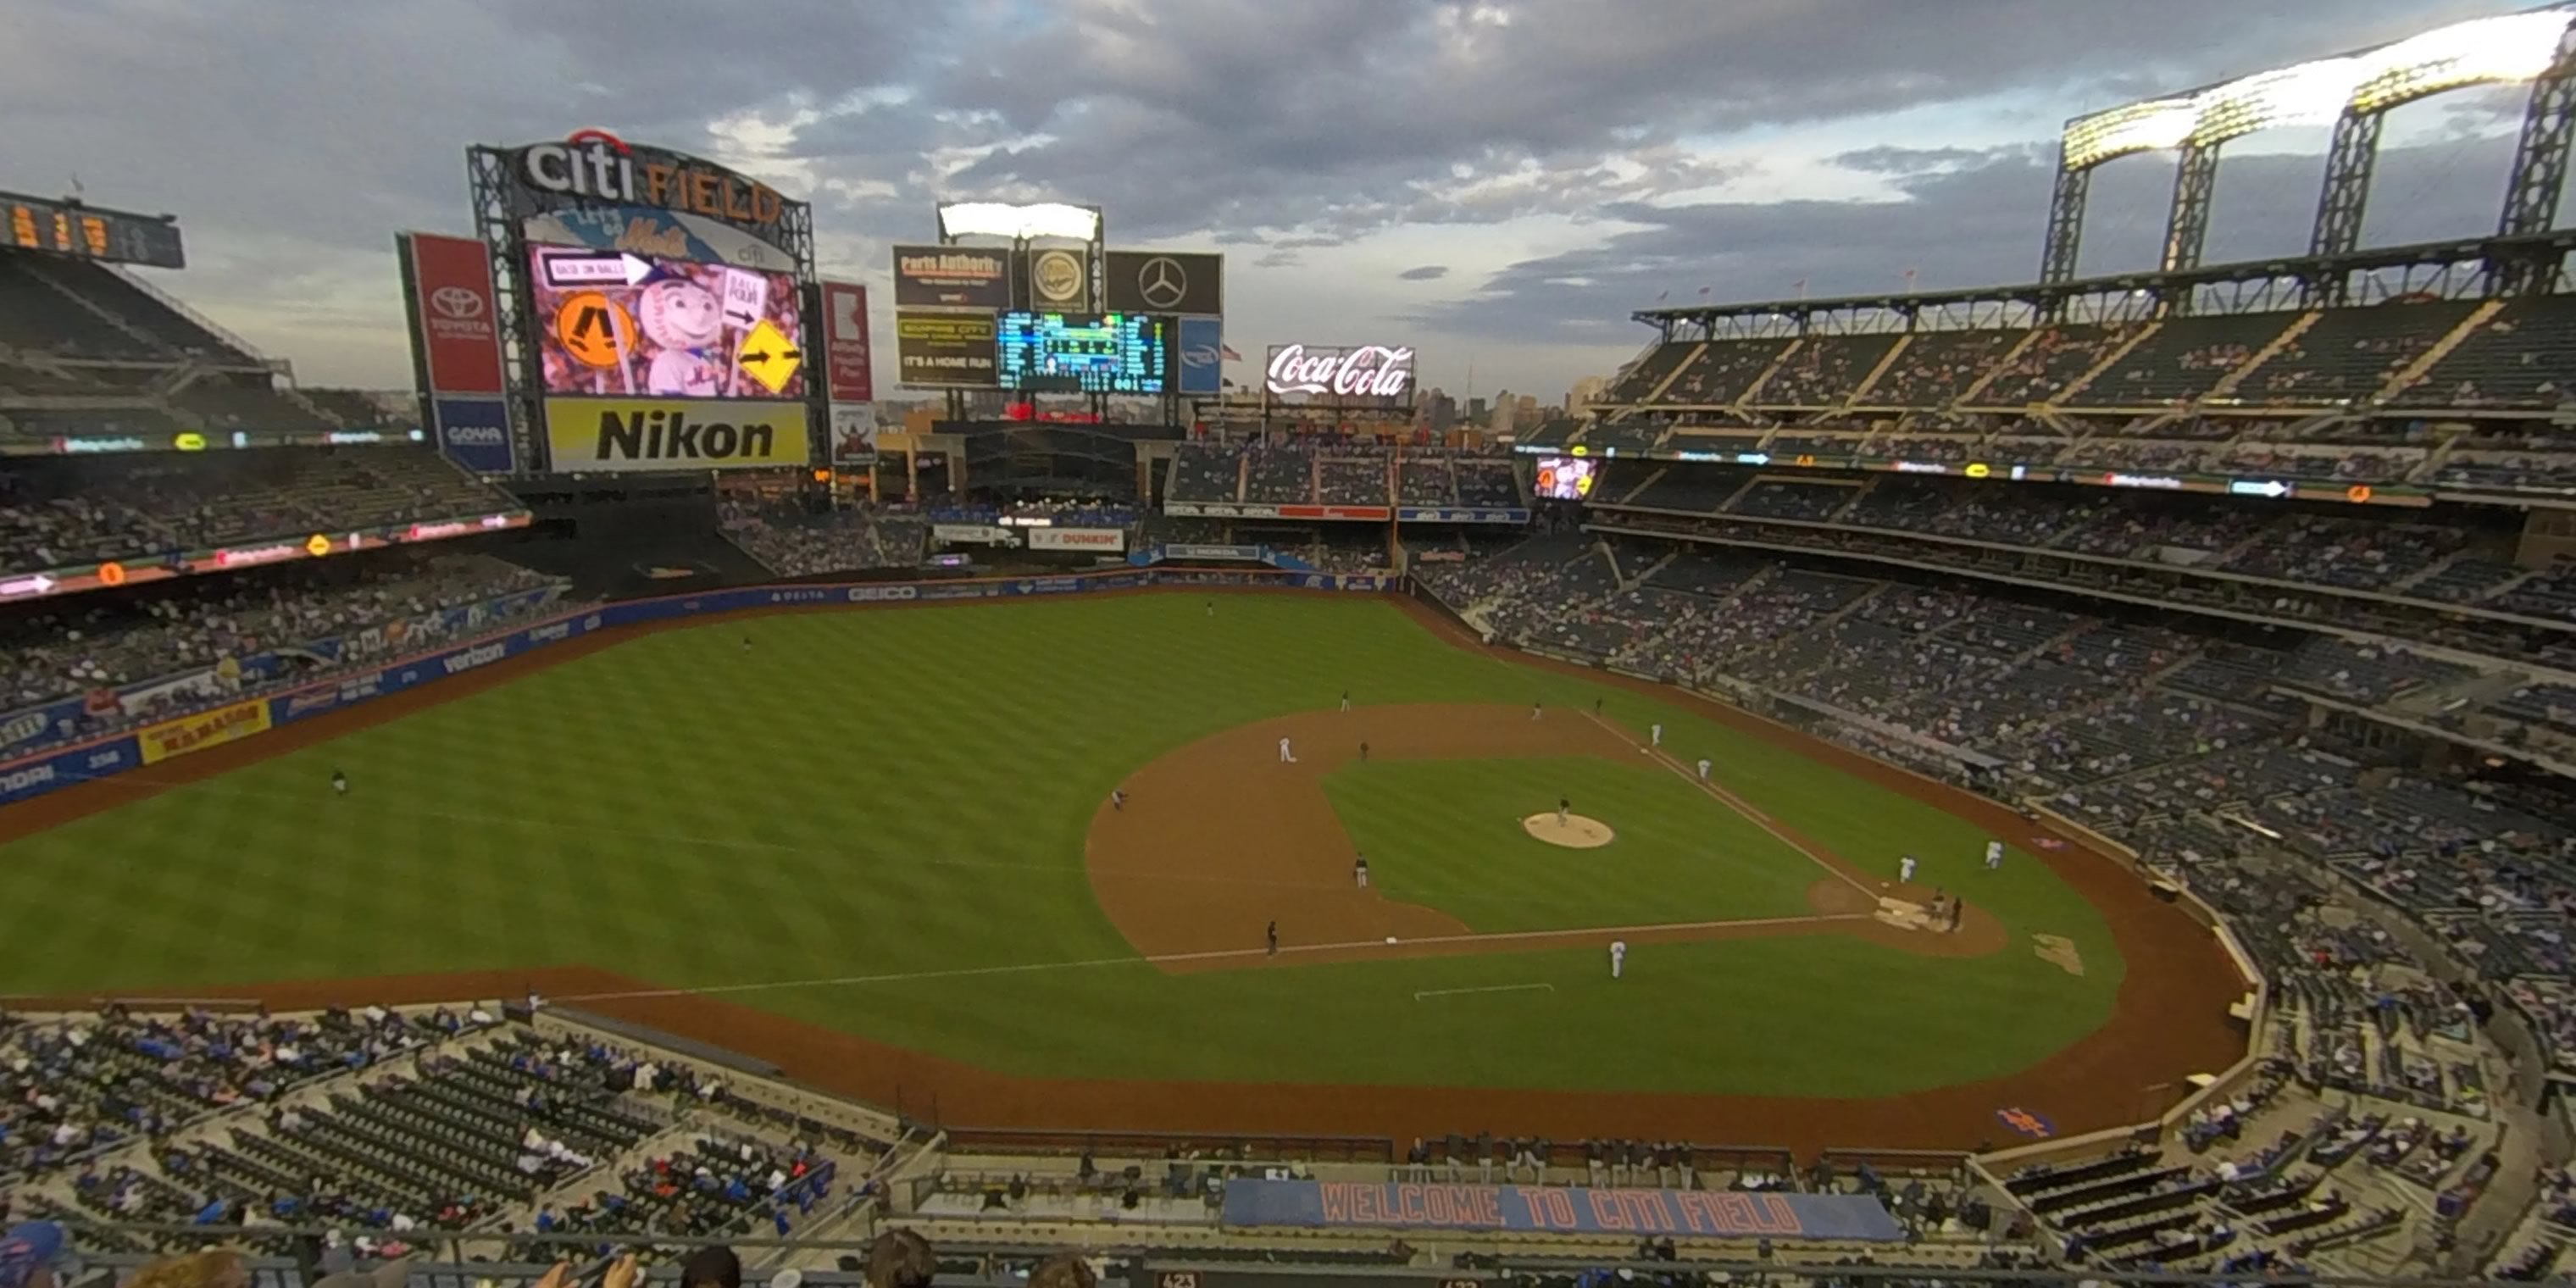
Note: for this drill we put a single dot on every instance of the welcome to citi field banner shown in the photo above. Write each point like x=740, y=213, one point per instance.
x=172, y=738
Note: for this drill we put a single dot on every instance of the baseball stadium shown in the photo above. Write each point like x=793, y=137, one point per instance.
x=2064, y=782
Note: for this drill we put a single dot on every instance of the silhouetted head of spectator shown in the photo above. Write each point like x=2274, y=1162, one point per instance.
x=711, y=1268
x=901, y=1259
x=1063, y=1270
x=29, y=1254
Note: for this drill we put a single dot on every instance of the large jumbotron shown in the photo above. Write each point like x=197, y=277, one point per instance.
x=2068, y=780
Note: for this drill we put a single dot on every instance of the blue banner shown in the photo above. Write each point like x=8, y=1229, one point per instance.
x=58, y=719
x=474, y=433
x=69, y=767
x=1558, y=1209
x=1200, y=356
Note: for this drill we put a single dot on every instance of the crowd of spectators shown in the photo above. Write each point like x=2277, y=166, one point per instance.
x=792, y=542
x=102, y=645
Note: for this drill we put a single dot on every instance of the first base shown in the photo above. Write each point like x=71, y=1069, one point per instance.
x=1390, y=939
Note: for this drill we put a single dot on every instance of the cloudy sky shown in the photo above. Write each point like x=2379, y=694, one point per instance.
x=1499, y=184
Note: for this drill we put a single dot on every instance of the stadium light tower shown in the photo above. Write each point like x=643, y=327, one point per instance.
x=2352, y=91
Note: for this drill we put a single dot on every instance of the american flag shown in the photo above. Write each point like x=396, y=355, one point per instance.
x=1227, y=351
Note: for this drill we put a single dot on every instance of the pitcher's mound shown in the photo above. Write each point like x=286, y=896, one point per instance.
x=1576, y=832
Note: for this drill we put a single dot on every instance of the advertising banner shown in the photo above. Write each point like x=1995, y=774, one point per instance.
x=1255, y=510
x=634, y=435
x=475, y=433
x=58, y=719
x=1154, y=281
x=1456, y=514
x=656, y=234
x=455, y=322
x=231, y=723
x=846, y=358
x=946, y=350
x=952, y=277
x=971, y=534
x=1233, y=554
x=594, y=169
x=1059, y=280
x=1198, y=357
x=37, y=775
x=1710, y=1214
x=1104, y=541
x=1365, y=372
x=854, y=435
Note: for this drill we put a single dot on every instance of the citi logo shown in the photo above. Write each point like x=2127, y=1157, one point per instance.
x=474, y=657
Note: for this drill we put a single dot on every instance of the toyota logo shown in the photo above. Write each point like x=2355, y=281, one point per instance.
x=461, y=303
x=1162, y=282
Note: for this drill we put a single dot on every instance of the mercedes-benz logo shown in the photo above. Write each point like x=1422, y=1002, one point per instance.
x=459, y=302
x=1161, y=282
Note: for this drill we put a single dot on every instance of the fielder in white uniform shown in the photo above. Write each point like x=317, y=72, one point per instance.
x=1286, y=756
x=1703, y=769
x=1536, y=708
x=1994, y=855
x=1905, y=868
x=1659, y=735
x=1346, y=701
x=1618, y=956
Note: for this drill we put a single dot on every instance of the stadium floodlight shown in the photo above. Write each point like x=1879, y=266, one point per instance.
x=2481, y=51
x=1019, y=223
x=2151, y=126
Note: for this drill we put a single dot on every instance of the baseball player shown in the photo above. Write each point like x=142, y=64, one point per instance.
x=1359, y=870
x=1363, y=753
x=1994, y=855
x=1287, y=756
x=1537, y=709
x=1703, y=769
x=1117, y=799
x=746, y=643
x=339, y=783
x=1274, y=938
x=1658, y=733
x=1211, y=608
x=1905, y=869
x=1346, y=702
x=1562, y=805
x=1596, y=706
x=1618, y=956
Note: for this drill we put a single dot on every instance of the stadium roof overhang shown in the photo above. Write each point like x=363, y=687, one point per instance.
x=2541, y=245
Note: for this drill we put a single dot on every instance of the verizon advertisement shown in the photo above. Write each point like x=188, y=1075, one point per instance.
x=845, y=342
x=455, y=332
x=1373, y=372
x=1098, y=541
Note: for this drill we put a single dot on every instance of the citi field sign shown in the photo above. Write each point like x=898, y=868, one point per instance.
x=595, y=167
x=1361, y=371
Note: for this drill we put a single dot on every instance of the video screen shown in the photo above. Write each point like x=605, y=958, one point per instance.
x=1564, y=478
x=1093, y=353
x=612, y=324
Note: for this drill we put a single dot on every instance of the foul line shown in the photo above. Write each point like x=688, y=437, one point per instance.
x=1734, y=802
x=1210, y=955
x=1489, y=988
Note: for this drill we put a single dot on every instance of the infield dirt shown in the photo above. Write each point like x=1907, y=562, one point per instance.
x=2169, y=1018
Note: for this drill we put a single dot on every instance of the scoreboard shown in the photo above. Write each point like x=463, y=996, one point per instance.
x=1095, y=353
x=69, y=228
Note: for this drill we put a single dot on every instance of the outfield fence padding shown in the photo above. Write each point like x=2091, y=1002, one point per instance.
x=235, y=719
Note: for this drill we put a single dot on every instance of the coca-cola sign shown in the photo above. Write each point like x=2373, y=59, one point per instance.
x=1363, y=371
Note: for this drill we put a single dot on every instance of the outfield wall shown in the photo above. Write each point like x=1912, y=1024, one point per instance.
x=227, y=722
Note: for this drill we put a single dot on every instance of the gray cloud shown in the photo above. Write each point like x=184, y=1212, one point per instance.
x=1959, y=224
x=1425, y=273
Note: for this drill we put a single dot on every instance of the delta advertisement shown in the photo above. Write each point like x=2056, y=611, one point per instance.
x=635, y=435
x=43, y=772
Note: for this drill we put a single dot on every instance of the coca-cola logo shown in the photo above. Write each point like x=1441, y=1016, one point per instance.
x=1368, y=371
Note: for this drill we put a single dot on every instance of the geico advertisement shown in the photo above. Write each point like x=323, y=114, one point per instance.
x=613, y=434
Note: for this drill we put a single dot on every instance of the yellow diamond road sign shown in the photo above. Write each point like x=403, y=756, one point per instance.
x=768, y=357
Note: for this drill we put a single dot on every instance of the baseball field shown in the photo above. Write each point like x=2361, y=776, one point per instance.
x=878, y=847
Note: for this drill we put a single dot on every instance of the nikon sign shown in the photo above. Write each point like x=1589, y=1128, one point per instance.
x=633, y=435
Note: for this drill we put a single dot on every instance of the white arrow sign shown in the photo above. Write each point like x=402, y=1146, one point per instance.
x=594, y=270
x=36, y=585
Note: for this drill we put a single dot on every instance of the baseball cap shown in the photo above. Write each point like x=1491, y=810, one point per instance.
x=27, y=1250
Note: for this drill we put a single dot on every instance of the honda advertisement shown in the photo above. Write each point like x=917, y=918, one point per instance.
x=455, y=325
x=845, y=343
x=1199, y=358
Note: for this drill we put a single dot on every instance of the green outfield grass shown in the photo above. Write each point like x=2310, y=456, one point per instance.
x=890, y=799
x=1447, y=834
